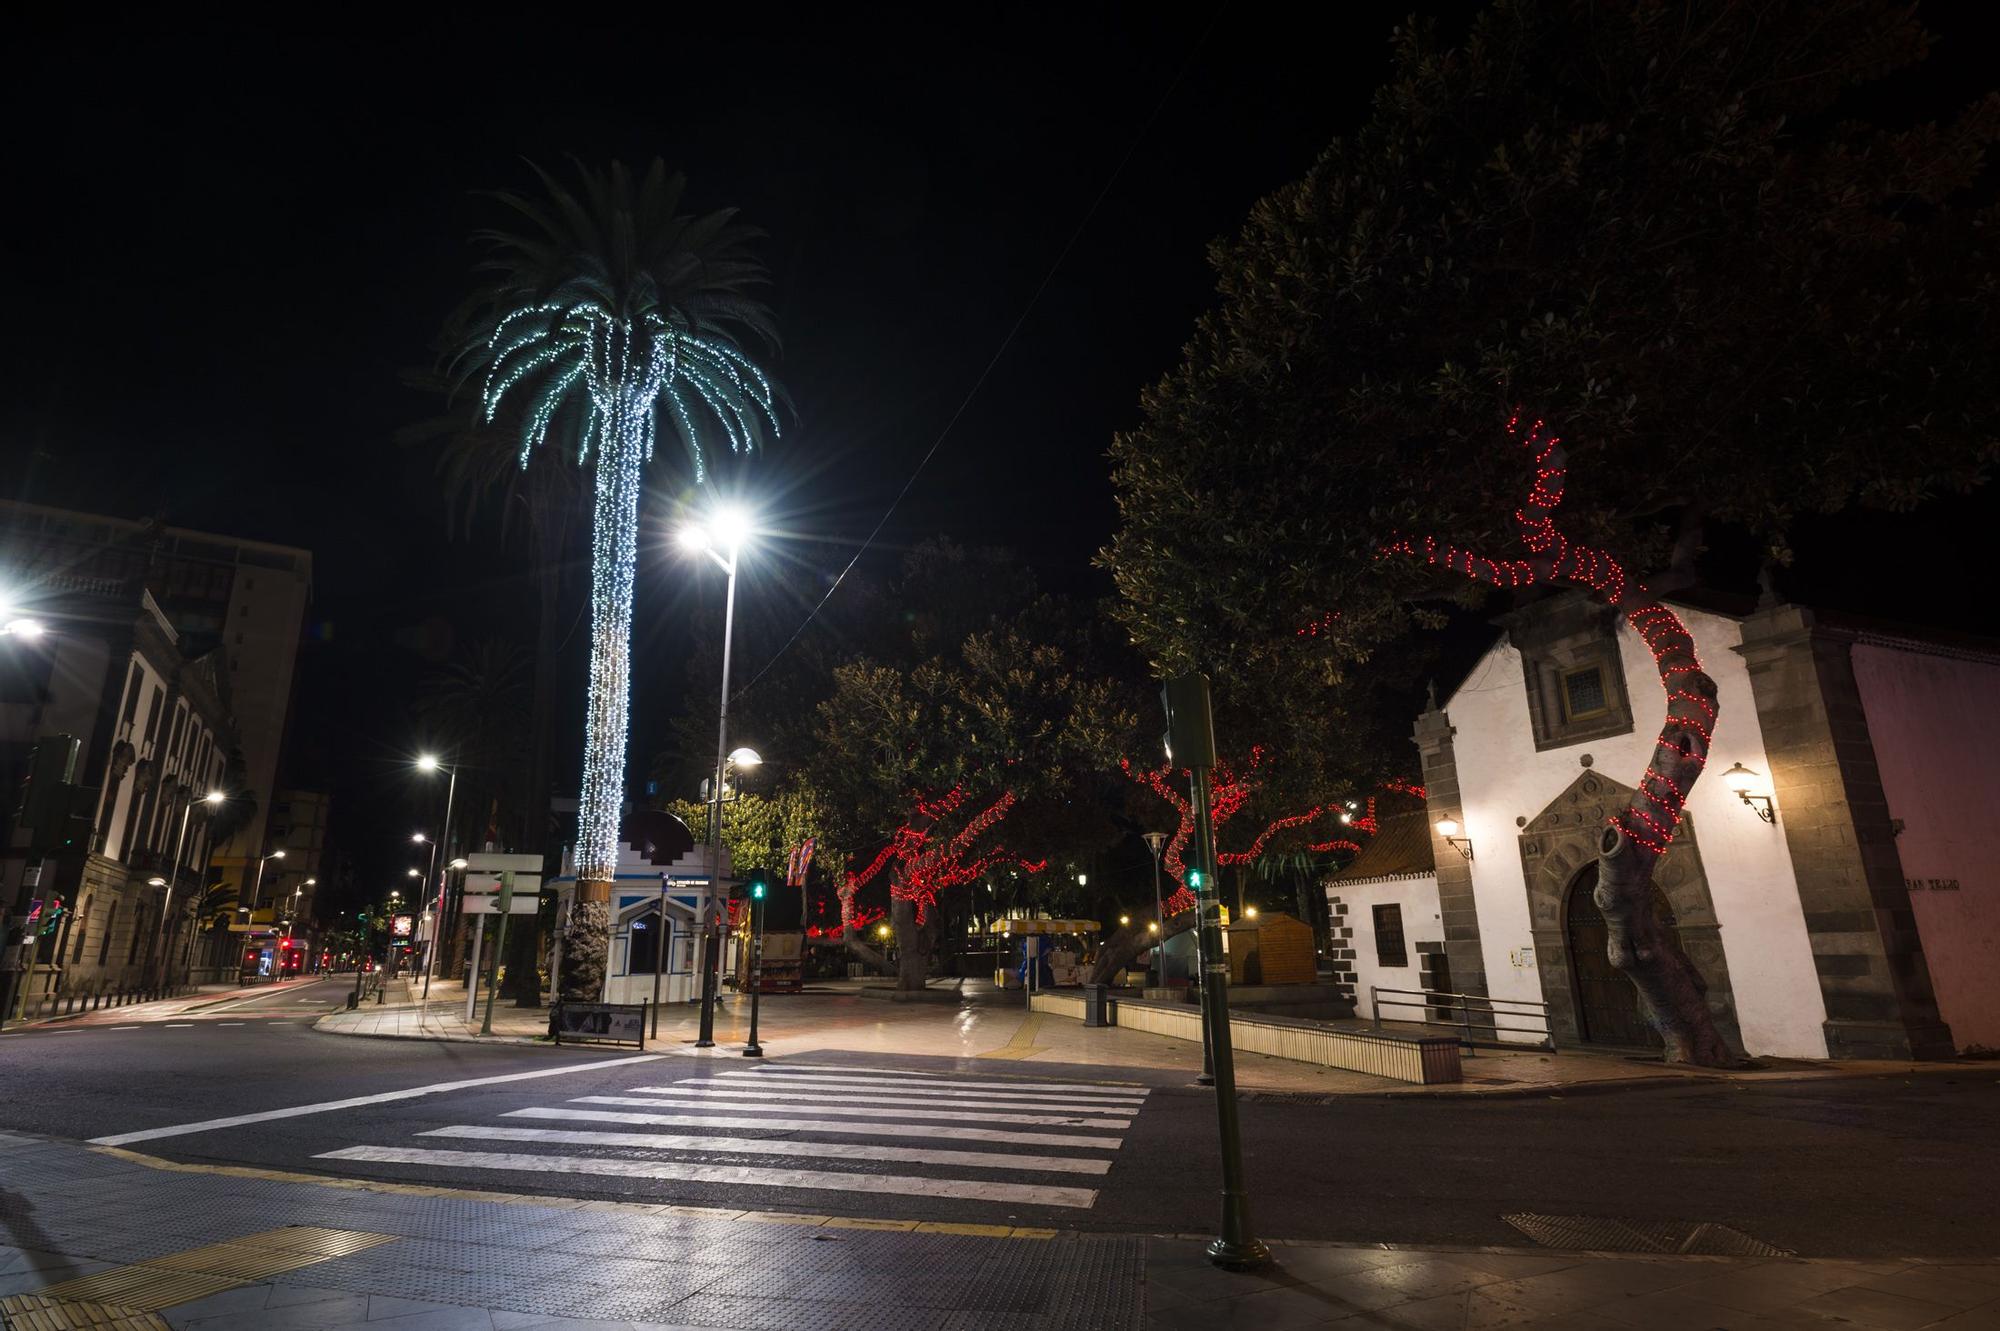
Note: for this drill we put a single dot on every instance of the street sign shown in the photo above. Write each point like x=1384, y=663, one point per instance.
x=483, y=870
x=489, y=903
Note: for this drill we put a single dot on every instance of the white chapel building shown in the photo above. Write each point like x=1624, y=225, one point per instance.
x=1849, y=908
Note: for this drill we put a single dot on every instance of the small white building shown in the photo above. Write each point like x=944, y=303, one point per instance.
x=1388, y=932
x=659, y=899
x=1861, y=920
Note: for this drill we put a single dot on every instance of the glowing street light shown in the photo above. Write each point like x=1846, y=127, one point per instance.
x=430, y=762
x=722, y=537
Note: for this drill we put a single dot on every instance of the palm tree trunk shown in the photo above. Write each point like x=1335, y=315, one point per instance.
x=614, y=536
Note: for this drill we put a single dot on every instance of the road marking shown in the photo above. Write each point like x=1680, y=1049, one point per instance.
x=858, y=1111
x=1022, y=1042
x=355, y=1102
x=927, y=1131
x=179, y=1025
x=228, y=1023
x=833, y=1072
x=121, y=1028
x=845, y=1095
x=339, y=1183
x=665, y=1141
x=1030, y=1194
x=861, y=1085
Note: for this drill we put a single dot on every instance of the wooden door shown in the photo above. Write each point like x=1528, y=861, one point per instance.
x=1607, y=1006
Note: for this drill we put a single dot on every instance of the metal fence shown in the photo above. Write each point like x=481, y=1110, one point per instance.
x=1478, y=1018
x=98, y=994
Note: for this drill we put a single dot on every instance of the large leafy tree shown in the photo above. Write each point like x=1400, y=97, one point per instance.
x=971, y=756
x=1667, y=228
x=610, y=317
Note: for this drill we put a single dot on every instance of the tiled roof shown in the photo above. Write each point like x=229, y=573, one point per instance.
x=1402, y=845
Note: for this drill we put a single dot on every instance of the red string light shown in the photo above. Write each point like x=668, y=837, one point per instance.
x=925, y=866
x=1654, y=814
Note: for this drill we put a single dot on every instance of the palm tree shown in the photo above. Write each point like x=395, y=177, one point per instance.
x=611, y=317
x=479, y=466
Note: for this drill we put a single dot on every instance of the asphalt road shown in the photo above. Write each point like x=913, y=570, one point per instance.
x=1850, y=1167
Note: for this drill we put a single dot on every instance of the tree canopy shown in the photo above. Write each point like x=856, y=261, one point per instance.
x=1666, y=228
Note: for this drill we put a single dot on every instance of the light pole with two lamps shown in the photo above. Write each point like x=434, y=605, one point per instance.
x=429, y=762
x=256, y=887
x=729, y=529
x=163, y=941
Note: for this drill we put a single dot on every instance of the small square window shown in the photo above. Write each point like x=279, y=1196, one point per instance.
x=1584, y=694
x=1389, y=947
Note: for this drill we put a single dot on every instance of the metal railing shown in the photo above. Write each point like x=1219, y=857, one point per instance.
x=91, y=995
x=1478, y=1015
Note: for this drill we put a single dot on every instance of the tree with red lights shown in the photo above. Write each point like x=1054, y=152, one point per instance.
x=1745, y=305
x=925, y=761
x=1321, y=829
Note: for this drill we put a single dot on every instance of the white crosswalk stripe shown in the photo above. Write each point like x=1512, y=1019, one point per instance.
x=830, y=1106
x=812, y=1128
x=943, y=1131
x=739, y=1091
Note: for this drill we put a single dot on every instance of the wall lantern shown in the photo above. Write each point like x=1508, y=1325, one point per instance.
x=1745, y=783
x=1448, y=829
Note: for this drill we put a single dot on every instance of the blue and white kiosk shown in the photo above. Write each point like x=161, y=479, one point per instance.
x=660, y=897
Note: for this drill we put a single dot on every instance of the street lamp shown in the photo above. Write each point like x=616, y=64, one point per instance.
x=1157, y=842
x=257, y=883
x=162, y=939
x=721, y=538
x=428, y=762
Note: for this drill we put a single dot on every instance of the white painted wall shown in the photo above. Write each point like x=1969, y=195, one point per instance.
x=1502, y=778
x=1418, y=896
x=1935, y=723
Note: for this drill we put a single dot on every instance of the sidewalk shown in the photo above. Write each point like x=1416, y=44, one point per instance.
x=989, y=1025
x=108, y=1238
x=206, y=996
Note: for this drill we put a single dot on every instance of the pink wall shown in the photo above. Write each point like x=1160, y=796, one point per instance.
x=1935, y=723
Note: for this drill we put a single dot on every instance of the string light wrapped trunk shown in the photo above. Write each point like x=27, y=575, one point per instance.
x=1672, y=993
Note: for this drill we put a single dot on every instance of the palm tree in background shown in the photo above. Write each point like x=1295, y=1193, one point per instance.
x=609, y=318
x=479, y=466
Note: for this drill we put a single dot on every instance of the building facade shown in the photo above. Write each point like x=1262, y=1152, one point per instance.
x=244, y=599
x=116, y=900
x=1861, y=919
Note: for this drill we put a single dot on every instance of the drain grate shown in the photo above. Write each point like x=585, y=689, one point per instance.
x=1600, y=1234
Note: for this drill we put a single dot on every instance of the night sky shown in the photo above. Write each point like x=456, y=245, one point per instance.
x=226, y=247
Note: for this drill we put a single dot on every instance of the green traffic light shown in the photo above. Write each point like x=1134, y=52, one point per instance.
x=1195, y=879
x=756, y=889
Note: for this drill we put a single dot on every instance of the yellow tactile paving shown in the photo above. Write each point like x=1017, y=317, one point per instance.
x=124, y=1292
x=37, y=1312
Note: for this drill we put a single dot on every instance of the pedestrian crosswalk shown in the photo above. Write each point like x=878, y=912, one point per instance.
x=811, y=1127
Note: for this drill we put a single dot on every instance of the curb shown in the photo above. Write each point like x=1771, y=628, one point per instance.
x=524, y=1041
x=1562, y=1090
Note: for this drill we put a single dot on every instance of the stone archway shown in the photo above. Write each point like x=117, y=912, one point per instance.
x=1560, y=842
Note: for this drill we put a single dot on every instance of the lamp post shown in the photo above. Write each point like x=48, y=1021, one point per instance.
x=728, y=528
x=162, y=939
x=429, y=763
x=257, y=887
x=1157, y=842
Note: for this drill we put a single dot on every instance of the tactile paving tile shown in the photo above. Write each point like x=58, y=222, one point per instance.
x=37, y=1312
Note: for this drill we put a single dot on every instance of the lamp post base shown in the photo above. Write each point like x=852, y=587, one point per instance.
x=753, y=1051
x=1247, y=1255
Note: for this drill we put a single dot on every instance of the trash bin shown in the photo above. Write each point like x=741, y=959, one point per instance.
x=1097, y=1009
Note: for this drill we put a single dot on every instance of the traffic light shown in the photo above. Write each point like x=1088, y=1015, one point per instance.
x=1195, y=879
x=1190, y=737
x=760, y=884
